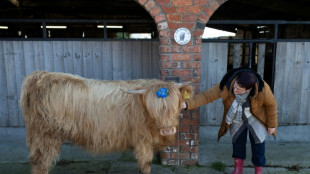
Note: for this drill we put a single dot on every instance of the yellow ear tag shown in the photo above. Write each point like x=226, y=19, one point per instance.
x=186, y=95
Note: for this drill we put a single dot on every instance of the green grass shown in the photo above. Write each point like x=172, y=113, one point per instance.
x=219, y=166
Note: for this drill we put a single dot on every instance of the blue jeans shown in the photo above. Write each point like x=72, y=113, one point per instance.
x=258, y=150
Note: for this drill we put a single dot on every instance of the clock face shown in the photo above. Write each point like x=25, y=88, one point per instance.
x=182, y=36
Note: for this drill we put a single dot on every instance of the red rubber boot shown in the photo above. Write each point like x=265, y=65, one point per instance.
x=258, y=170
x=238, y=166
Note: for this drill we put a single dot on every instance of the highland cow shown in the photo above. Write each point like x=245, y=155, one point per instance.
x=100, y=116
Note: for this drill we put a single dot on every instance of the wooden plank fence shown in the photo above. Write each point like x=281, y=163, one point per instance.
x=292, y=82
x=106, y=60
x=213, y=68
x=125, y=60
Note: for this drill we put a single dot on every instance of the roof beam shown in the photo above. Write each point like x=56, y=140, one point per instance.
x=14, y=2
x=78, y=3
x=292, y=8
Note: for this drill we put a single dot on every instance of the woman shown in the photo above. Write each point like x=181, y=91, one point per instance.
x=249, y=106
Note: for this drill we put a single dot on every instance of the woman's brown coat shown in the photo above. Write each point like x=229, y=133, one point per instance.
x=263, y=104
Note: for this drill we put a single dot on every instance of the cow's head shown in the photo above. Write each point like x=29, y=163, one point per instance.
x=163, y=103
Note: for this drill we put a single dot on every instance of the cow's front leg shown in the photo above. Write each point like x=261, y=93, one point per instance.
x=144, y=154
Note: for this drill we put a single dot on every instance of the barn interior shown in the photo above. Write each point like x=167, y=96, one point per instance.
x=123, y=18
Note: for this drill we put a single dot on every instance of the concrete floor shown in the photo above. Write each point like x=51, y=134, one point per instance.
x=283, y=156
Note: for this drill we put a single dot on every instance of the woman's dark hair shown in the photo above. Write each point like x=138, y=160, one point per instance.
x=246, y=80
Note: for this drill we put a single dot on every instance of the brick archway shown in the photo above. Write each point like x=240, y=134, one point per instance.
x=182, y=63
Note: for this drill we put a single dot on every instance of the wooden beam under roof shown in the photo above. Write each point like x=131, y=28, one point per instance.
x=14, y=2
x=78, y=3
x=294, y=8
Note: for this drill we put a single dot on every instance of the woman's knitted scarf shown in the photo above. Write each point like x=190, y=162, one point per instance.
x=235, y=111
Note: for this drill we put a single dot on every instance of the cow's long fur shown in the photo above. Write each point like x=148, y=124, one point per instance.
x=96, y=115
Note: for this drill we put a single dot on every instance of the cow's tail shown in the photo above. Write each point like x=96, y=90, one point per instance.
x=29, y=90
x=29, y=93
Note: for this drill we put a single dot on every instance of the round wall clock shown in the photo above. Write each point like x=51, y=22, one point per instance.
x=182, y=36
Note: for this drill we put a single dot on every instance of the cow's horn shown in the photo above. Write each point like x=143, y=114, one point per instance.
x=179, y=85
x=134, y=91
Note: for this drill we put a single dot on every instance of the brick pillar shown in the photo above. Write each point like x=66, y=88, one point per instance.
x=182, y=63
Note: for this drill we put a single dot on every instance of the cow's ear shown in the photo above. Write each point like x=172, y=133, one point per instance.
x=134, y=91
x=186, y=92
x=185, y=89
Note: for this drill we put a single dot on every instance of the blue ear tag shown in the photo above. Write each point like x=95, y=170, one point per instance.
x=158, y=94
x=162, y=93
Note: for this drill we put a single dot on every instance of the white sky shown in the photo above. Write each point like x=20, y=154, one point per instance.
x=140, y=36
x=214, y=33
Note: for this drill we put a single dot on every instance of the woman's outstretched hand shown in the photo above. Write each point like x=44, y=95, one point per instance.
x=184, y=105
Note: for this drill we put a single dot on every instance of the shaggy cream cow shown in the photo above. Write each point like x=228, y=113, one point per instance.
x=100, y=116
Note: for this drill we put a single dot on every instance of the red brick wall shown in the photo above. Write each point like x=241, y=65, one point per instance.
x=181, y=63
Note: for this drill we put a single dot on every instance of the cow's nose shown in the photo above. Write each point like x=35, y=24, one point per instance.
x=168, y=131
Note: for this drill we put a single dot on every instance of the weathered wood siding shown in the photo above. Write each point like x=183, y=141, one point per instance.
x=125, y=60
x=213, y=68
x=292, y=82
x=107, y=60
